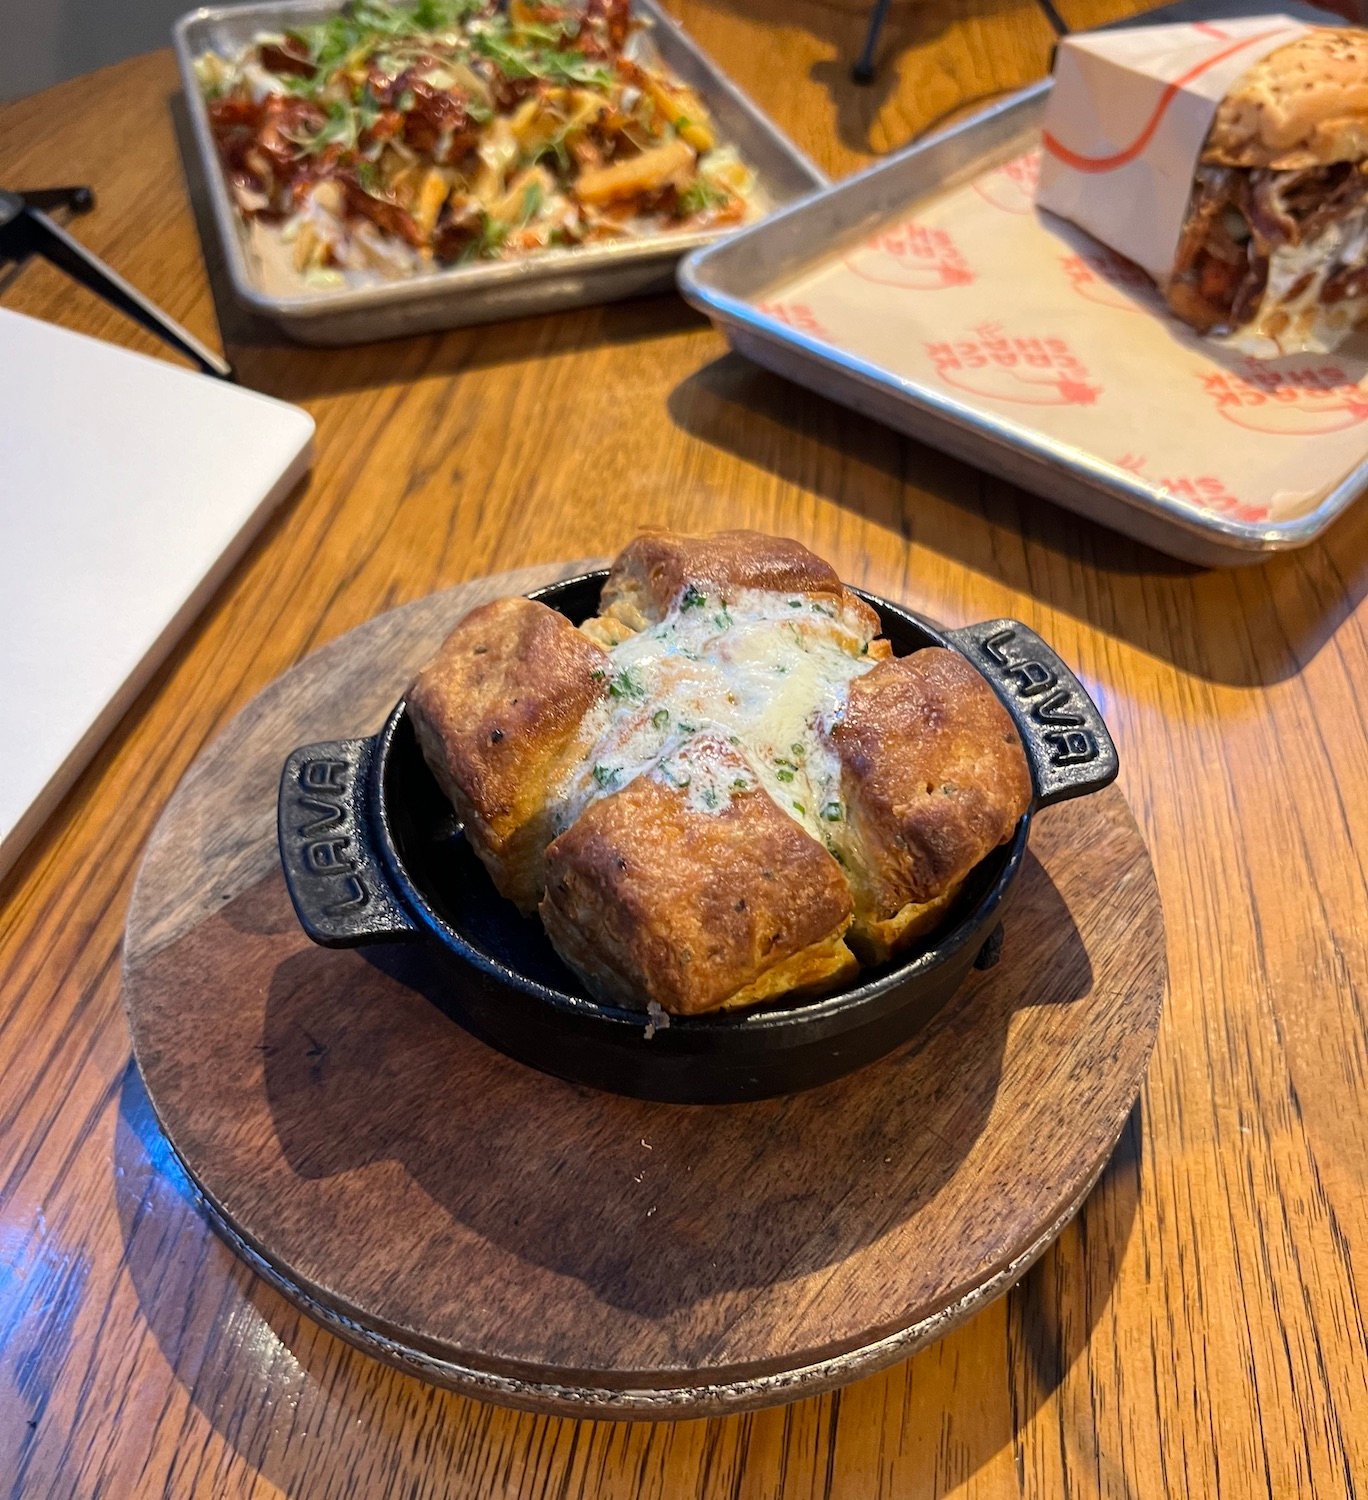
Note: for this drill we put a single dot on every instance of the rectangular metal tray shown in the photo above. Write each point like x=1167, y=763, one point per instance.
x=478, y=293
x=728, y=282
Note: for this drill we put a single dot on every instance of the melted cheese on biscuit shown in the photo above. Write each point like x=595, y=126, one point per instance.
x=719, y=697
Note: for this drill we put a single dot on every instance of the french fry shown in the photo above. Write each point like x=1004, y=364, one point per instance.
x=498, y=152
x=684, y=110
x=524, y=117
x=652, y=170
x=432, y=193
x=327, y=195
x=528, y=189
x=308, y=247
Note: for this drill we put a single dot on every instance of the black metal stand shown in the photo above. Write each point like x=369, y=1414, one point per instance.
x=863, y=71
x=26, y=229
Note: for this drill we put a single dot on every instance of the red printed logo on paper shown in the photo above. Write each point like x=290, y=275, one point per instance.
x=1012, y=186
x=1036, y=371
x=1290, y=399
x=797, y=315
x=1208, y=491
x=913, y=256
x=1103, y=276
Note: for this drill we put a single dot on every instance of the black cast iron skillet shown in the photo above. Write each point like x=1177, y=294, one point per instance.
x=373, y=853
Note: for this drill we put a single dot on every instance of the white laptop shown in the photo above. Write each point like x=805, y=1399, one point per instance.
x=128, y=488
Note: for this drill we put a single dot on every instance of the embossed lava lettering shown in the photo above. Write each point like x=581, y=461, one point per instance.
x=1063, y=728
x=326, y=838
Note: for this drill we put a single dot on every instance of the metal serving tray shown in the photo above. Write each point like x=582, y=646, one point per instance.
x=480, y=293
x=731, y=281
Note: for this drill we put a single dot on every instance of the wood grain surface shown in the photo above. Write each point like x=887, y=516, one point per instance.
x=570, y=1250
x=1198, y=1331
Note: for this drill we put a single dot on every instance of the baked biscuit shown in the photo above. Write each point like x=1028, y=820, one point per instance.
x=692, y=889
x=656, y=570
x=500, y=716
x=933, y=778
x=722, y=784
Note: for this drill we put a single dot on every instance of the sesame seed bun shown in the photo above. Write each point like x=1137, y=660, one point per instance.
x=1304, y=105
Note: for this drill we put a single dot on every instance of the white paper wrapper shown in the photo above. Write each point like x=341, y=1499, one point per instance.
x=1126, y=121
x=981, y=300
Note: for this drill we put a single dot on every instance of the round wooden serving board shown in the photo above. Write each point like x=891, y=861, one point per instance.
x=548, y=1246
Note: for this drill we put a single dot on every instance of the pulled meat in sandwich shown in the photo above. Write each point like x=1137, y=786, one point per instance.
x=1276, y=239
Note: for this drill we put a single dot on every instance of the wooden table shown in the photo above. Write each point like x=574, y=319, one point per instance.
x=1196, y=1332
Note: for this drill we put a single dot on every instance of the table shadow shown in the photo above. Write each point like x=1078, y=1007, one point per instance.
x=224, y=1332
x=857, y=107
x=1286, y=608
x=348, y=1088
x=265, y=360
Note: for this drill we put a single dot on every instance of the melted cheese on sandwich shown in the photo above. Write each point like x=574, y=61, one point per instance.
x=719, y=697
x=1291, y=317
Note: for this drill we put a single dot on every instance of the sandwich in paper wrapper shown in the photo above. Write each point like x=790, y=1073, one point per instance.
x=1230, y=162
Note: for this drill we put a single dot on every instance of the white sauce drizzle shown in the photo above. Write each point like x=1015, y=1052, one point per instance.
x=1302, y=324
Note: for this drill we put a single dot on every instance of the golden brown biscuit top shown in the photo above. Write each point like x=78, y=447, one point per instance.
x=937, y=773
x=691, y=898
x=654, y=572
x=514, y=670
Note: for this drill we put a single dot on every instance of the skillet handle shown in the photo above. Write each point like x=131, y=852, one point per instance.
x=1067, y=743
x=340, y=892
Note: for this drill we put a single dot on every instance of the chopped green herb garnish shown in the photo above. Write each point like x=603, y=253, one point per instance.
x=700, y=195
x=572, y=67
x=687, y=728
x=553, y=36
x=338, y=129
x=692, y=598
x=722, y=619
x=532, y=201
x=507, y=47
x=442, y=15
x=660, y=718
x=740, y=784
x=487, y=244
x=607, y=776
x=556, y=146
x=368, y=108
x=598, y=674
x=498, y=47
x=832, y=812
x=624, y=685
x=798, y=807
x=784, y=775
